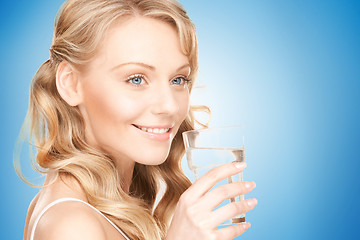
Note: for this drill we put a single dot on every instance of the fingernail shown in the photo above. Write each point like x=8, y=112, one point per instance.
x=246, y=225
x=240, y=164
x=252, y=202
x=250, y=185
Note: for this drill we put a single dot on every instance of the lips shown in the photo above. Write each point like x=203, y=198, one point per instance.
x=157, y=133
x=156, y=130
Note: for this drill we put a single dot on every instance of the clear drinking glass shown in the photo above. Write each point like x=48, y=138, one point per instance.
x=212, y=147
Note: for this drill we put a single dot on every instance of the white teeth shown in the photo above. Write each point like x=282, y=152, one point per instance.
x=155, y=130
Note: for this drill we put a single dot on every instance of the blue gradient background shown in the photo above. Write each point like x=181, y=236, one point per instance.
x=287, y=70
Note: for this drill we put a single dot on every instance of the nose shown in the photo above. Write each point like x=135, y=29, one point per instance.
x=164, y=101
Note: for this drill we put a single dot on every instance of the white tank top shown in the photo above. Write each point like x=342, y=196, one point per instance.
x=67, y=200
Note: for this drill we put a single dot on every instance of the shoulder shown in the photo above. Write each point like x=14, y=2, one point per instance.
x=70, y=220
x=29, y=214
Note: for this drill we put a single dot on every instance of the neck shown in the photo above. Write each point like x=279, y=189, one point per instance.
x=126, y=179
x=125, y=170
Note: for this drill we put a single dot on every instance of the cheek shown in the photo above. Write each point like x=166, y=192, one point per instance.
x=126, y=108
x=184, y=105
x=106, y=107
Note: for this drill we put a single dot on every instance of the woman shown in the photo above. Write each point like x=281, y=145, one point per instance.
x=107, y=111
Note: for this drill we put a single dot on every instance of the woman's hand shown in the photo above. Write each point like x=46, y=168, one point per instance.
x=194, y=217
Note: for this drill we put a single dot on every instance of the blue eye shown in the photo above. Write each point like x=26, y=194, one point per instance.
x=179, y=81
x=136, y=80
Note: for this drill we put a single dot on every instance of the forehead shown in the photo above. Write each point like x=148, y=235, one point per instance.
x=141, y=39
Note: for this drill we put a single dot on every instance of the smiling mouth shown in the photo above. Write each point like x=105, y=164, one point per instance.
x=153, y=130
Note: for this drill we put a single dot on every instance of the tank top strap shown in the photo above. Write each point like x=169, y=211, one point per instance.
x=60, y=200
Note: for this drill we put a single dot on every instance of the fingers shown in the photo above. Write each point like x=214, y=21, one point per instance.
x=228, y=191
x=231, y=210
x=209, y=179
x=232, y=231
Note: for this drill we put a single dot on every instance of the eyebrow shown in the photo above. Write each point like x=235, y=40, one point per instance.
x=146, y=66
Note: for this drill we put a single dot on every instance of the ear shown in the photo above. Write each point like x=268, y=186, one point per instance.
x=68, y=84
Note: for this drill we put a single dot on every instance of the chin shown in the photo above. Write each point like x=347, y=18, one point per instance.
x=153, y=159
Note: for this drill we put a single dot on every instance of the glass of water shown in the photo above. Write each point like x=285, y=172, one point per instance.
x=212, y=147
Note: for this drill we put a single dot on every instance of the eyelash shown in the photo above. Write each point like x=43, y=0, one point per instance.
x=142, y=77
x=186, y=80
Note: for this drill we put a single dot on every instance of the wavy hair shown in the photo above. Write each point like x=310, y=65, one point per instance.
x=58, y=129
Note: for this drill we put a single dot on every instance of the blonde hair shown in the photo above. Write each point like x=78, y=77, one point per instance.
x=58, y=129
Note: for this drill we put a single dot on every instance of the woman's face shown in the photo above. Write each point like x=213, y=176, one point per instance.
x=134, y=93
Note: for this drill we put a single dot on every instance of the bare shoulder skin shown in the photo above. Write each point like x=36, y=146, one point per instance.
x=66, y=220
